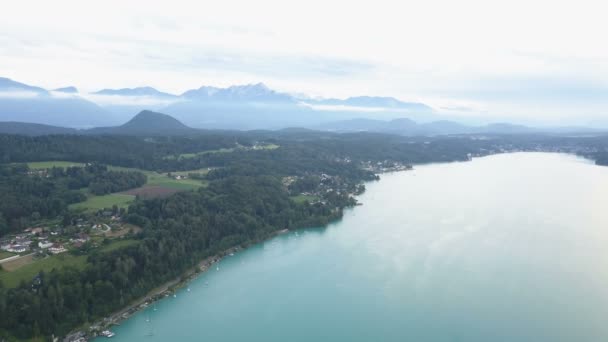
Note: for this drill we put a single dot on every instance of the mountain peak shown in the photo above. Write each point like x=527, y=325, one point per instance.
x=137, y=91
x=68, y=90
x=149, y=121
x=6, y=84
x=254, y=92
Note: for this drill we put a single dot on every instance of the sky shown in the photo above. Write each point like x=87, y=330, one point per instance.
x=542, y=62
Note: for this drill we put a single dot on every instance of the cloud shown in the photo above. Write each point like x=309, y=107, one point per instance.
x=18, y=94
x=469, y=51
x=118, y=100
x=343, y=108
x=63, y=95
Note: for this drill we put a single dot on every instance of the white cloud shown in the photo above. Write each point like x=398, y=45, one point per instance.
x=119, y=100
x=18, y=94
x=444, y=50
x=344, y=108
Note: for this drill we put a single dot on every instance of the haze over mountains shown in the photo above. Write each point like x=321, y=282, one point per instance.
x=252, y=106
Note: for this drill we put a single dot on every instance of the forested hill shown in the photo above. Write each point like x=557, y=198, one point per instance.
x=147, y=123
x=144, y=123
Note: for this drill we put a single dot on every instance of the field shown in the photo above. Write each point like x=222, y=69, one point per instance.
x=151, y=191
x=157, y=185
x=4, y=255
x=126, y=228
x=51, y=164
x=158, y=179
x=303, y=198
x=267, y=147
x=17, y=263
x=185, y=173
x=161, y=179
x=224, y=150
x=105, y=201
x=193, y=155
x=29, y=271
x=118, y=244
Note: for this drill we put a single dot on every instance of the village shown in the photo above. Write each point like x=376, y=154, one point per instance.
x=36, y=248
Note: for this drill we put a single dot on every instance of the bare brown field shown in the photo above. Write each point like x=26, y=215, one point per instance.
x=17, y=263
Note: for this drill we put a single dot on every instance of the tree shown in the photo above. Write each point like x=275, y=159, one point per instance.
x=3, y=225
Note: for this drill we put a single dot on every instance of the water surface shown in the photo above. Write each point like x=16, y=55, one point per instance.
x=504, y=248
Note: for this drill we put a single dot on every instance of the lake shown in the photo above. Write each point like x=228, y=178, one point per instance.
x=510, y=247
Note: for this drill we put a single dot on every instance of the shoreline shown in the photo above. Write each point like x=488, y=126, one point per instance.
x=158, y=293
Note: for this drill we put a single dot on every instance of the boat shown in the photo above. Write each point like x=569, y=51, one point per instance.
x=107, y=333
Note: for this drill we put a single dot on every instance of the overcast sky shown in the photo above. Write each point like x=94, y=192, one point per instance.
x=529, y=61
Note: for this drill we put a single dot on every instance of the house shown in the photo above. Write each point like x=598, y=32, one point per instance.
x=57, y=248
x=5, y=245
x=81, y=237
x=17, y=248
x=45, y=244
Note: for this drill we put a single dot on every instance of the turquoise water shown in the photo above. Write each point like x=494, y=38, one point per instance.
x=509, y=247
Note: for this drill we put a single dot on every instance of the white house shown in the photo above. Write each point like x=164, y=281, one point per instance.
x=17, y=248
x=45, y=244
x=57, y=248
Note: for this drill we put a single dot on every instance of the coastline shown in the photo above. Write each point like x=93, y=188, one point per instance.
x=165, y=290
x=92, y=331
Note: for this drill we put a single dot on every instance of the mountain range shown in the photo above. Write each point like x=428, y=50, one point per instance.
x=149, y=123
x=240, y=107
x=251, y=106
x=145, y=123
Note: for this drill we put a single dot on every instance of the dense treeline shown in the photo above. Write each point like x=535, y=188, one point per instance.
x=115, y=181
x=159, y=153
x=26, y=198
x=30, y=195
x=137, y=152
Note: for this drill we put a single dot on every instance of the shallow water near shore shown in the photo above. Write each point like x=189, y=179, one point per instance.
x=509, y=247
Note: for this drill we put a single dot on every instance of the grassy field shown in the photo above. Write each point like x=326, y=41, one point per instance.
x=18, y=263
x=51, y=164
x=158, y=179
x=193, y=155
x=118, y=244
x=120, y=199
x=182, y=184
x=105, y=201
x=223, y=150
x=4, y=255
x=185, y=173
x=268, y=147
x=303, y=198
x=28, y=272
